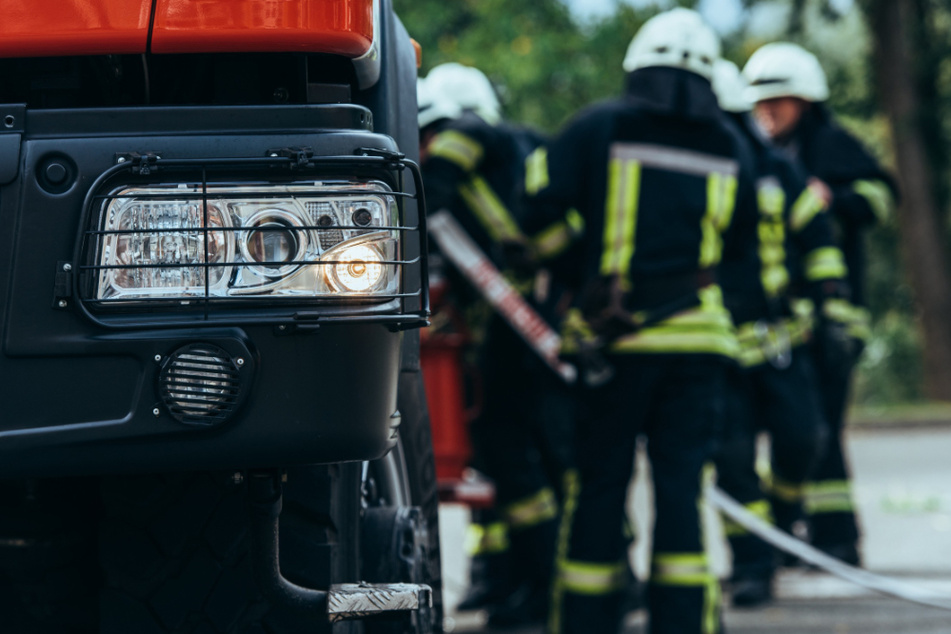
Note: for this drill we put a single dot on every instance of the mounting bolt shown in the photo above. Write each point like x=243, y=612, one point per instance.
x=282, y=327
x=67, y=267
x=274, y=155
x=239, y=361
x=121, y=159
x=61, y=303
x=156, y=412
x=157, y=358
x=238, y=477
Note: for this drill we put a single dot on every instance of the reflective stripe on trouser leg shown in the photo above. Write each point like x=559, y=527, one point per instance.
x=759, y=508
x=830, y=496
x=752, y=557
x=684, y=581
x=486, y=539
x=531, y=510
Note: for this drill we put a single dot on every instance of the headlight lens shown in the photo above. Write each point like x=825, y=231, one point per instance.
x=356, y=268
x=319, y=239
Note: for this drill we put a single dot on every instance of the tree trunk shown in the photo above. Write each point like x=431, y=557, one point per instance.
x=922, y=232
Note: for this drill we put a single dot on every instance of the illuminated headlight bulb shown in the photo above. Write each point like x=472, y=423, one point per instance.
x=358, y=269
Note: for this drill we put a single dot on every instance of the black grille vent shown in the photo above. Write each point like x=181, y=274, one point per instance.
x=200, y=384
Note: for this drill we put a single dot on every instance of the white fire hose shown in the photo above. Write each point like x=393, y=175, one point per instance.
x=789, y=544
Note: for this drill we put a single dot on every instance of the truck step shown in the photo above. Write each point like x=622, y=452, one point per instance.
x=358, y=600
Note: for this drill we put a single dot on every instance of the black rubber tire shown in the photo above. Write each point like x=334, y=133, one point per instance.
x=175, y=551
x=417, y=444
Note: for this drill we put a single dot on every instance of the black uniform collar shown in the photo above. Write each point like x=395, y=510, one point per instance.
x=673, y=92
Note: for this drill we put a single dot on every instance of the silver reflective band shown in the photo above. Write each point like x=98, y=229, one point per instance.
x=675, y=160
x=768, y=182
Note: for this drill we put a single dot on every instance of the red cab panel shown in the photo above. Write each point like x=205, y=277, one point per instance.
x=342, y=27
x=44, y=28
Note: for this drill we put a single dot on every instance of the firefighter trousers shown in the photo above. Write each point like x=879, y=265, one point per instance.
x=829, y=501
x=675, y=401
x=512, y=447
x=785, y=404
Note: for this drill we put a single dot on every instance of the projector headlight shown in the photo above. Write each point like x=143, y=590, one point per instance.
x=302, y=240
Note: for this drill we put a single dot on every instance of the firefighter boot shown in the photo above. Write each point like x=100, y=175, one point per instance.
x=490, y=572
x=751, y=590
x=533, y=551
x=490, y=582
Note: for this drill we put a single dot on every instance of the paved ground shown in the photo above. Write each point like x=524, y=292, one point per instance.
x=903, y=491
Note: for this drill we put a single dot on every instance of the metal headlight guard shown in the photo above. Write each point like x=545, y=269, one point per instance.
x=289, y=238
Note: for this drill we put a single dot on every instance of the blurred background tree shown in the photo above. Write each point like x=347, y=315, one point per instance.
x=548, y=63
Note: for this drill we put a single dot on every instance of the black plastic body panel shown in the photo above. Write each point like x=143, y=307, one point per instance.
x=77, y=398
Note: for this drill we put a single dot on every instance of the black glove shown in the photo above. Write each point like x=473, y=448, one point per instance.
x=837, y=343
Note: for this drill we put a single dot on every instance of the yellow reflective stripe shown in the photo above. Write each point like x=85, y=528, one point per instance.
x=770, y=197
x=839, y=310
x=825, y=263
x=721, y=199
x=751, y=354
x=806, y=207
x=555, y=239
x=878, y=195
x=591, y=578
x=484, y=539
x=457, y=148
x=532, y=510
x=711, y=606
x=774, y=277
x=680, y=569
x=857, y=319
x=490, y=211
x=536, y=171
x=704, y=330
x=572, y=488
x=830, y=496
x=759, y=508
x=785, y=490
x=620, y=219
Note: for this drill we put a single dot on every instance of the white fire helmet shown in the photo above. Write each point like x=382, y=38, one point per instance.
x=730, y=87
x=468, y=87
x=433, y=106
x=782, y=69
x=679, y=38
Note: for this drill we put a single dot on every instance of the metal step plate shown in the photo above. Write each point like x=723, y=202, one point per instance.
x=357, y=600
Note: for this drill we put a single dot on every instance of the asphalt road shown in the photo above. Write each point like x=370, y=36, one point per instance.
x=902, y=485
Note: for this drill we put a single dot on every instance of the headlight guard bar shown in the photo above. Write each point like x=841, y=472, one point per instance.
x=258, y=179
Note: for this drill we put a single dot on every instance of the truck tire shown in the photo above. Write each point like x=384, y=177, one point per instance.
x=417, y=445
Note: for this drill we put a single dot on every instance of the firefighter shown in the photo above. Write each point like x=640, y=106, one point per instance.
x=666, y=190
x=789, y=89
x=774, y=388
x=474, y=168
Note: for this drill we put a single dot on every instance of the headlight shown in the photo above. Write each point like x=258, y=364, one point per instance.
x=302, y=240
x=357, y=267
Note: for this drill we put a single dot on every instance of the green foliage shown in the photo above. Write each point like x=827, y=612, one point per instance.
x=545, y=65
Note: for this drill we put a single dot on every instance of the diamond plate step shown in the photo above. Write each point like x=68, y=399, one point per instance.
x=357, y=600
